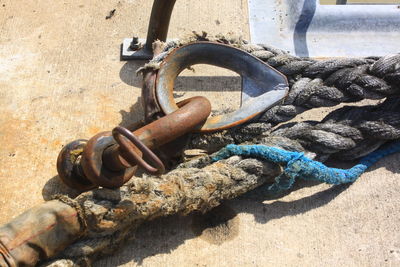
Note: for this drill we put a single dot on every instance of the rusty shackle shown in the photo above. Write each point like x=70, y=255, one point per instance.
x=110, y=159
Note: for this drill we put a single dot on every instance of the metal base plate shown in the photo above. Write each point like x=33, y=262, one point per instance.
x=128, y=54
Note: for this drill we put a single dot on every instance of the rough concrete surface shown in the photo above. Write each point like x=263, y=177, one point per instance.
x=61, y=79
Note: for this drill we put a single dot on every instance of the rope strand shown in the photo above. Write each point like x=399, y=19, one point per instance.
x=298, y=166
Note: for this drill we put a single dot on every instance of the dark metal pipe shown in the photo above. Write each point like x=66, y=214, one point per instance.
x=341, y=2
x=159, y=22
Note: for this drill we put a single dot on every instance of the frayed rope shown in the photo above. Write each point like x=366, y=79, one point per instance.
x=297, y=165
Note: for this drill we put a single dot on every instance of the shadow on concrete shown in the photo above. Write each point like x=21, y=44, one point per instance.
x=390, y=163
x=129, y=119
x=263, y=213
x=208, y=83
x=55, y=186
x=128, y=73
x=164, y=235
x=183, y=83
x=160, y=236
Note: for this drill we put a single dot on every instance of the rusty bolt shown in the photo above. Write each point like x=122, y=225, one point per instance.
x=135, y=45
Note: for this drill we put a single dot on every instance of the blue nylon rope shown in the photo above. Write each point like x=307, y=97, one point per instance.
x=297, y=165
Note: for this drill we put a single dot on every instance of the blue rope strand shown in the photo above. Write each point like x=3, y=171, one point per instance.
x=298, y=166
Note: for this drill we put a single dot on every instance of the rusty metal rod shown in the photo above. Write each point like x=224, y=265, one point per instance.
x=190, y=117
x=159, y=22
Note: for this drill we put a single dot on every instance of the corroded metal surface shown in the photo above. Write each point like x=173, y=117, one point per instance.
x=87, y=165
x=93, y=167
x=67, y=168
x=122, y=136
x=159, y=21
x=262, y=86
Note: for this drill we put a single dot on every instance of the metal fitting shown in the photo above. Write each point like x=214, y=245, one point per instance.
x=135, y=44
x=110, y=159
x=262, y=86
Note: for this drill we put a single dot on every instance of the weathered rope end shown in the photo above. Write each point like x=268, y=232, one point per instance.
x=298, y=166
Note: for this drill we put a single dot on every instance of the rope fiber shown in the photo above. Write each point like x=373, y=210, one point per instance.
x=298, y=166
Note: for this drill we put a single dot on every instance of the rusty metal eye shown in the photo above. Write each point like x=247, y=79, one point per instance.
x=262, y=86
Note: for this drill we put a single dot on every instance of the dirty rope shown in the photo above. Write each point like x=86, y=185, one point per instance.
x=298, y=166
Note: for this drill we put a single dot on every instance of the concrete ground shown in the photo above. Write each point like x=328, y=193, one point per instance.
x=61, y=79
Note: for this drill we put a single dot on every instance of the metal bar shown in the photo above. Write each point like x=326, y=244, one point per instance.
x=159, y=21
x=341, y=2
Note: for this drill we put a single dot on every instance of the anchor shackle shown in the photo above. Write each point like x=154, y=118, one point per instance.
x=110, y=159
